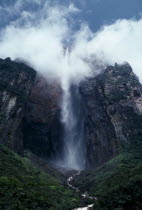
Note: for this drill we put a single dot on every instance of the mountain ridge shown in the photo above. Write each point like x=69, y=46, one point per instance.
x=112, y=107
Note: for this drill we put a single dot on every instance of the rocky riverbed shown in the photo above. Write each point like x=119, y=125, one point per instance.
x=84, y=195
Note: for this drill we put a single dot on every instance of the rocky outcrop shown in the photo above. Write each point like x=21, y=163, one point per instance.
x=16, y=80
x=111, y=105
x=42, y=128
x=113, y=102
x=112, y=109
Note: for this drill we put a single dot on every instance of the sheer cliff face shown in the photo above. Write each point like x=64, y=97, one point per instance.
x=42, y=128
x=112, y=109
x=16, y=81
x=113, y=102
x=111, y=105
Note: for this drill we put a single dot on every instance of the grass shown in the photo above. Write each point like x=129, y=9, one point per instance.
x=23, y=186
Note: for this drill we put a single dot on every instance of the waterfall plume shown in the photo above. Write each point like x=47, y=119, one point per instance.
x=73, y=123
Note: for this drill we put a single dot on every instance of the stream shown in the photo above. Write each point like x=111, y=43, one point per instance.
x=83, y=195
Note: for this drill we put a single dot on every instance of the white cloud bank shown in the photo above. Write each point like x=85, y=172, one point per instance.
x=41, y=38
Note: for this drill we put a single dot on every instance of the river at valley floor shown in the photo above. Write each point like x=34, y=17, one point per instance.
x=83, y=195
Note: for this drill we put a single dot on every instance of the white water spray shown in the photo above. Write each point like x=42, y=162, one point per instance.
x=74, y=149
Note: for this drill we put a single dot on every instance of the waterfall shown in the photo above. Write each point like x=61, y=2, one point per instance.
x=73, y=123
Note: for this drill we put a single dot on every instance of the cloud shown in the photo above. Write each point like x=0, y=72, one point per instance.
x=41, y=38
x=118, y=42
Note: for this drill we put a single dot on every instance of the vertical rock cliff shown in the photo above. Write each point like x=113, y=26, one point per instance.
x=16, y=81
x=111, y=116
x=113, y=102
x=42, y=127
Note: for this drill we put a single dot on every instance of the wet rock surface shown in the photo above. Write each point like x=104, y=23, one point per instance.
x=16, y=81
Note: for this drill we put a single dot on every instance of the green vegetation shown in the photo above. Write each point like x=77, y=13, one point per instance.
x=118, y=183
x=23, y=186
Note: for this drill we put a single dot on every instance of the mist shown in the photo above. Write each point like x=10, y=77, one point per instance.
x=41, y=39
x=47, y=40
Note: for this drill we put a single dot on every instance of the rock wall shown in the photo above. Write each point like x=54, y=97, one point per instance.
x=113, y=102
x=42, y=128
x=30, y=112
x=16, y=81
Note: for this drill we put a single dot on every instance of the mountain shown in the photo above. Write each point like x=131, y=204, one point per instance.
x=16, y=81
x=113, y=106
x=107, y=111
x=24, y=184
x=41, y=126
